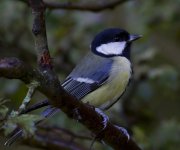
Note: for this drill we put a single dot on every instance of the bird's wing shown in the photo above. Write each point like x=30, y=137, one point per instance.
x=89, y=74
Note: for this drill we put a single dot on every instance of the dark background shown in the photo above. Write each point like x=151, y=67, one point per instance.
x=150, y=108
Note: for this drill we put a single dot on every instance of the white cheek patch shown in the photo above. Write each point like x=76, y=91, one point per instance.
x=113, y=48
x=85, y=80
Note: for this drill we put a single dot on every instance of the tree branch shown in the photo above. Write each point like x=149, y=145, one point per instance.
x=68, y=104
x=41, y=104
x=84, y=7
x=39, y=31
x=52, y=140
x=13, y=68
x=68, y=133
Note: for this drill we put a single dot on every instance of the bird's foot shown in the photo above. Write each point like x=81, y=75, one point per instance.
x=105, y=120
x=124, y=132
x=104, y=117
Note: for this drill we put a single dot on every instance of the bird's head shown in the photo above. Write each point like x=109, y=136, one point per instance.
x=113, y=42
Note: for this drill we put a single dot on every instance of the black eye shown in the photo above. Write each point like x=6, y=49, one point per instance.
x=121, y=37
x=116, y=38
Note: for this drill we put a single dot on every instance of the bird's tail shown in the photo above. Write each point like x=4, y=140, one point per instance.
x=18, y=132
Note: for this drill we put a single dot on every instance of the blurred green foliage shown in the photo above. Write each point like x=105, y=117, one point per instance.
x=25, y=121
x=151, y=112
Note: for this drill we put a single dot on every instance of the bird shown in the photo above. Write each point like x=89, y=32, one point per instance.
x=103, y=75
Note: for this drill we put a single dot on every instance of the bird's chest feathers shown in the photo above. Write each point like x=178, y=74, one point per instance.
x=114, y=86
x=118, y=80
x=120, y=74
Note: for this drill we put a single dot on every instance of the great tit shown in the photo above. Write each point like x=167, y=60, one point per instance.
x=103, y=74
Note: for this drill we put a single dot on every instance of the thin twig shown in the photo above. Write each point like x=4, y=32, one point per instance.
x=36, y=106
x=70, y=133
x=95, y=7
x=32, y=87
x=85, y=7
x=47, y=139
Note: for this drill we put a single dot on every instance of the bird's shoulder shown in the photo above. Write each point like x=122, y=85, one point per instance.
x=88, y=75
x=92, y=66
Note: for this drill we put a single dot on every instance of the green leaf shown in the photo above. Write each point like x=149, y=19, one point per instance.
x=25, y=121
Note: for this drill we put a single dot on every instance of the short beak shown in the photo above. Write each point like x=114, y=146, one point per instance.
x=134, y=37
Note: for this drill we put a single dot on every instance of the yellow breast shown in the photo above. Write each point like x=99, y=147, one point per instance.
x=114, y=87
